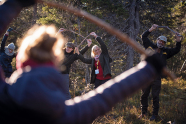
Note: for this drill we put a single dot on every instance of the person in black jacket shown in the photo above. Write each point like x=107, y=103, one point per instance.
x=100, y=63
x=70, y=57
x=164, y=53
x=7, y=54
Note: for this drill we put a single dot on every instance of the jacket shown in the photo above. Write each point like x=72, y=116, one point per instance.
x=70, y=58
x=104, y=59
x=165, y=53
x=42, y=100
x=5, y=60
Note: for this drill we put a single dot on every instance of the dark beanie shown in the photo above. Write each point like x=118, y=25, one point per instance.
x=70, y=44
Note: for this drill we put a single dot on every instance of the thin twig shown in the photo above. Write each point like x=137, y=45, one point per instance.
x=17, y=32
x=83, y=40
x=75, y=33
x=79, y=35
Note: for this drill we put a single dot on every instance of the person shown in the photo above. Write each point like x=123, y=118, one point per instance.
x=70, y=57
x=100, y=62
x=35, y=93
x=164, y=53
x=7, y=54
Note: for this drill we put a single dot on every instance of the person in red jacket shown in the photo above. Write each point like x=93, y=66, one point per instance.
x=100, y=62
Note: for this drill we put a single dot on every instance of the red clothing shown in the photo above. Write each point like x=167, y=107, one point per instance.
x=100, y=76
x=32, y=63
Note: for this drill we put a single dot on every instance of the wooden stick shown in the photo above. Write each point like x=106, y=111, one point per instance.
x=79, y=35
x=75, y=33
x=83, y=40
x=123, y=37
x=170, y=30
x=17, y=32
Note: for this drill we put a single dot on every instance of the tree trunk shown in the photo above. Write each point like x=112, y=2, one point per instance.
x=133, y=31
x=87, y=71
x=34, y=15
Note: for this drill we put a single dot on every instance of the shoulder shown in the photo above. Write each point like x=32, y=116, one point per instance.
x=29, y=74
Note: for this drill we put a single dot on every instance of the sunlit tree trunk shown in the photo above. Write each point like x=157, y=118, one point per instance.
x=34, y=15
x=133, y=30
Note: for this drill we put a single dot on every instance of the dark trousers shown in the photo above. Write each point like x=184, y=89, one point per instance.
x=156, y=87
x=99, y=82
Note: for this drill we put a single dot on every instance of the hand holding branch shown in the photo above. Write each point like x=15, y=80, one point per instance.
x=77, y=50
x=178, y=37
x=61, y=30
x=89, y=42
x=154, y=26
x=94, y=34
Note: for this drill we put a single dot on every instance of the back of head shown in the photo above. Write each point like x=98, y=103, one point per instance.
x=41, y=44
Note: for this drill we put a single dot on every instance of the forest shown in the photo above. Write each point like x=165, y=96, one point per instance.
x=132, y=17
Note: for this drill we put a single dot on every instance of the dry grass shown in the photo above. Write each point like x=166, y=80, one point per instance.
x=172, y=104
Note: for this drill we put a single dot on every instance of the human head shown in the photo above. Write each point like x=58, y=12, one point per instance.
x=96, y=50
x=41, y=44
x=69, y=47
x=11, y=47
x=161, y=41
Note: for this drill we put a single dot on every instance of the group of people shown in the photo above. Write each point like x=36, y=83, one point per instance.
x=37, y=92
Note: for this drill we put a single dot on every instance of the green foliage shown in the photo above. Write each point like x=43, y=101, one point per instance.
x=104, y=6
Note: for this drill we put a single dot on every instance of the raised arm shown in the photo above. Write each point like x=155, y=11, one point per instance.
x=145, y=39
x=100, y=41
x=10, y=9
x=172, y=51
x=89, y=42
x=4, y=39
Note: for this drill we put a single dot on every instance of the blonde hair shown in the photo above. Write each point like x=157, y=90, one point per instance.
x=41, y=44
x=93, y=48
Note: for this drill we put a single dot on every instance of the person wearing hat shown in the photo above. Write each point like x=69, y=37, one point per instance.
x=70, y=57
x=7, y=54
x=164, y=53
